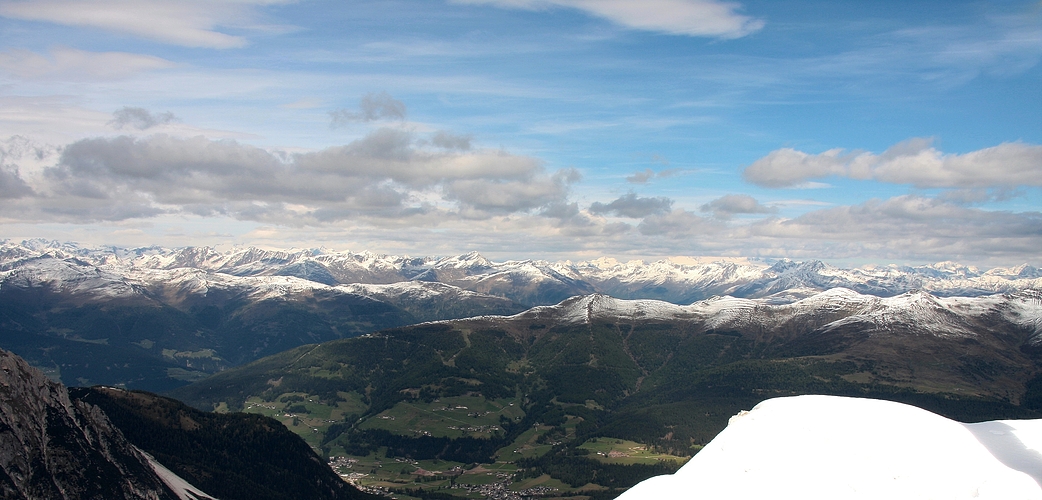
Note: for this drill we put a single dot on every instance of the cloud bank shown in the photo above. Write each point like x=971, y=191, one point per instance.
x=400, y=190
x=388, y=173
x=915, y=162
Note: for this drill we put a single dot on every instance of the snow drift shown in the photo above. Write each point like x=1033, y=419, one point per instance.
x=829, y=447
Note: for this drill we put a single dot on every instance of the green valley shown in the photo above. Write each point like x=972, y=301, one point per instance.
x=547, y=403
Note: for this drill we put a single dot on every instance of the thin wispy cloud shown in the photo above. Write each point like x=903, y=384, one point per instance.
x=710, y=18
x=645, y=176
x=66, y=63
x=188, y=23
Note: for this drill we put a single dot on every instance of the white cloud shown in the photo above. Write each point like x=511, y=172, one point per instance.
x=140, y=118
x=189, y=23
x=447, y=140
x=387, y=174
x=11, y=183
x=372, y=107
x=679, y=224
x=647, y=174
x=915, y=162
x=641, y=177
x=903, y=227
x=633, y=206
x=729, y=205
x=72, y=64
x=711, y=18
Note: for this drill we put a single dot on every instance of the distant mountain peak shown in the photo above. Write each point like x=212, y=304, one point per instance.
x=470, y=260
x=535, y=282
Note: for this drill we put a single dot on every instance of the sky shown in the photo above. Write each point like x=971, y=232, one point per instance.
x=904, y=132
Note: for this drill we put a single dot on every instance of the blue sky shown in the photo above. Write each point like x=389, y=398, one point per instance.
x=853, y=132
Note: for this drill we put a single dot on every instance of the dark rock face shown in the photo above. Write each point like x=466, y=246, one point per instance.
x=54, y=448
x=236, y=456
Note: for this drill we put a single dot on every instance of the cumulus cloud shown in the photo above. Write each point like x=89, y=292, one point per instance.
x=915, y=162
x=401, y=191
x=729, y=205
x=647, y=174
x=75, y=64
x=903, y=227
x=139, y=118
x=189, y=23
x=506, y=195
x=385, y=174
x=711, y=18
x=980, y=195
x=11, y=183
x=371, y=107
x=447, y=140
x=561, y=211
x=678, y=224
x=641, y=177
x=20, y=147
x=632, y=206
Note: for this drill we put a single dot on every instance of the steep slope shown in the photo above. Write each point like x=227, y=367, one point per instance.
x=233, y=456
x=57, y=448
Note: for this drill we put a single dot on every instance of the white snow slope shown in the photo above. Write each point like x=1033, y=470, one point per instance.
x=830, y=447
x=183, y=489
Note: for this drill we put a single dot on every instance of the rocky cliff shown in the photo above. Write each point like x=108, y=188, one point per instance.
x=54, y=448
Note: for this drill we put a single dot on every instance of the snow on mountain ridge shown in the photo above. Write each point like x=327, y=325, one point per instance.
x=67, y=275
x=536, y=282
x=936, y=315
x=1025, y=309
x=941, y=316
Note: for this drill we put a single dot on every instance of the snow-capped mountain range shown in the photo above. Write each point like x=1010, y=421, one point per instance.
x=157, y=318
x=825, y=312
x=528, y=282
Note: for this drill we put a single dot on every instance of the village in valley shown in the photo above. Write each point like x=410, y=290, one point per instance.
x=455, y=416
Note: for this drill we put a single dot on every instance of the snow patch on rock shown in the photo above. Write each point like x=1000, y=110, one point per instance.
x=183, y=489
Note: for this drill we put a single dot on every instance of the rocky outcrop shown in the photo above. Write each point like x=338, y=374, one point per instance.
x=54, y=448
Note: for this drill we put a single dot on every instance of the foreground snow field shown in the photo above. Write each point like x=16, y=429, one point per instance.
x=829, y=447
